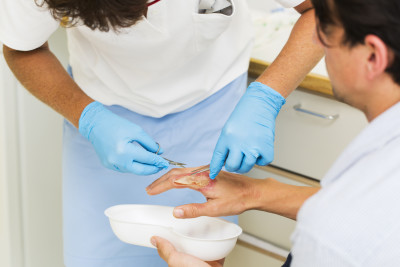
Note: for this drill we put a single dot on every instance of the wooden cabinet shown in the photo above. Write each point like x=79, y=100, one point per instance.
x=312, y=131
x=244, y=256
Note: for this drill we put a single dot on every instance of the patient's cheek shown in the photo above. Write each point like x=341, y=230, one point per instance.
x=195, y=181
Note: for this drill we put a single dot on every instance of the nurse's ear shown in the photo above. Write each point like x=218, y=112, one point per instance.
x=380, y=57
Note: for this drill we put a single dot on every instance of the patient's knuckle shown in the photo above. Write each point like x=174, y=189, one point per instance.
x=174, y=172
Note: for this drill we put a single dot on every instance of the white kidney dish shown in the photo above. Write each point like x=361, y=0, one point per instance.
x=206, y=238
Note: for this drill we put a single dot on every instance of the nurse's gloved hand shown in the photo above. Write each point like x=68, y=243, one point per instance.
x=248, y=136
x=121, y=145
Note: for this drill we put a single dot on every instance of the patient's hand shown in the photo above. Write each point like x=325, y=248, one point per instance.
x=227, y=194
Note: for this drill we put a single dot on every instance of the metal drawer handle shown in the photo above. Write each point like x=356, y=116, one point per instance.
x=263, y=246
x=326, y=117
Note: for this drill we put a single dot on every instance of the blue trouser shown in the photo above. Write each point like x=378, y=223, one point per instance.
x=89, y=188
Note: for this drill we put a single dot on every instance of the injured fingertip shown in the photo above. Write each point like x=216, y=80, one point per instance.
x=148, y=190
x=181, y=181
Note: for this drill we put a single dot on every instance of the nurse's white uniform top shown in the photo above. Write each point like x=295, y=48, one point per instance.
x=354, y=219
x=178, y=74
x=135, y=67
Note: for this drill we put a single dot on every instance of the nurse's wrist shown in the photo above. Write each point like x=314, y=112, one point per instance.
x=271, y=96
x=88, y=117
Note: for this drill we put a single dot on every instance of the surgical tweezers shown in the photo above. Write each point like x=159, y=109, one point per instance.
x=199, y=170
x=178, y=164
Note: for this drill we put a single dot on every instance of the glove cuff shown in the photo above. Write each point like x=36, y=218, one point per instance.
x=86, y=121
x=275, y=98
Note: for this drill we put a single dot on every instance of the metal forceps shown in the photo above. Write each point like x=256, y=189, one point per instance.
x=199, y=170
x=178, y=164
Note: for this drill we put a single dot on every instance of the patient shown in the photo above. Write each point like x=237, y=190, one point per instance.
x=353, y=220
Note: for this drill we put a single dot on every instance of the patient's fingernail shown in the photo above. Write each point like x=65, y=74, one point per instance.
x=178, y=213
x=153, y=241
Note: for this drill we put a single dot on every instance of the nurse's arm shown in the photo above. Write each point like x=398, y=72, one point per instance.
x=232, y=194
x=297, y=58
x=40, y=72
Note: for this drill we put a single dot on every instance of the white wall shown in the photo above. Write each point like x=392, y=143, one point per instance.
x=41, y=140
x=30, y=173
x=11, y=247
x=263, y=5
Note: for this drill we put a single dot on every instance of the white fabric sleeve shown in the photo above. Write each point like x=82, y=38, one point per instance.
x=290, y=3
x=310, y=251
x=25, y=26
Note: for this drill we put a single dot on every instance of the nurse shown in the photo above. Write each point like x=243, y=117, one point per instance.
x=145, y=75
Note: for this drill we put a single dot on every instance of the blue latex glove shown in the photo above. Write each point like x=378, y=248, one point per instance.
x=121, y=145
x=248, y=136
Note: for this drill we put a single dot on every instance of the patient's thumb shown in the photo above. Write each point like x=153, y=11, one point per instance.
x=190, y=211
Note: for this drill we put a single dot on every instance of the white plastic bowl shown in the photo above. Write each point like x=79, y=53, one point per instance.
x=205, y=237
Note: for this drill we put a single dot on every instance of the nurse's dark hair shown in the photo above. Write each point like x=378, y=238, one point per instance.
x=360, y=18
x=97, y=14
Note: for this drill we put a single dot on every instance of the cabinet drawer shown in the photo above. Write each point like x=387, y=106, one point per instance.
x=308, y=144
x=267, y=226
x=244, y=256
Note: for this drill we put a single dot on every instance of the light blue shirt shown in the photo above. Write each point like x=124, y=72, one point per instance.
x=354, y=220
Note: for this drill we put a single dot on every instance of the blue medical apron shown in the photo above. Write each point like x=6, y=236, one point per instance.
x=89, y=188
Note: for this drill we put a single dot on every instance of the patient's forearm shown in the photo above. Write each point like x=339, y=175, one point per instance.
x=282, y=199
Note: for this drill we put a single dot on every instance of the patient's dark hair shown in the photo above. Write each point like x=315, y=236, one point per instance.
x=97, y=14
x=360, y=18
